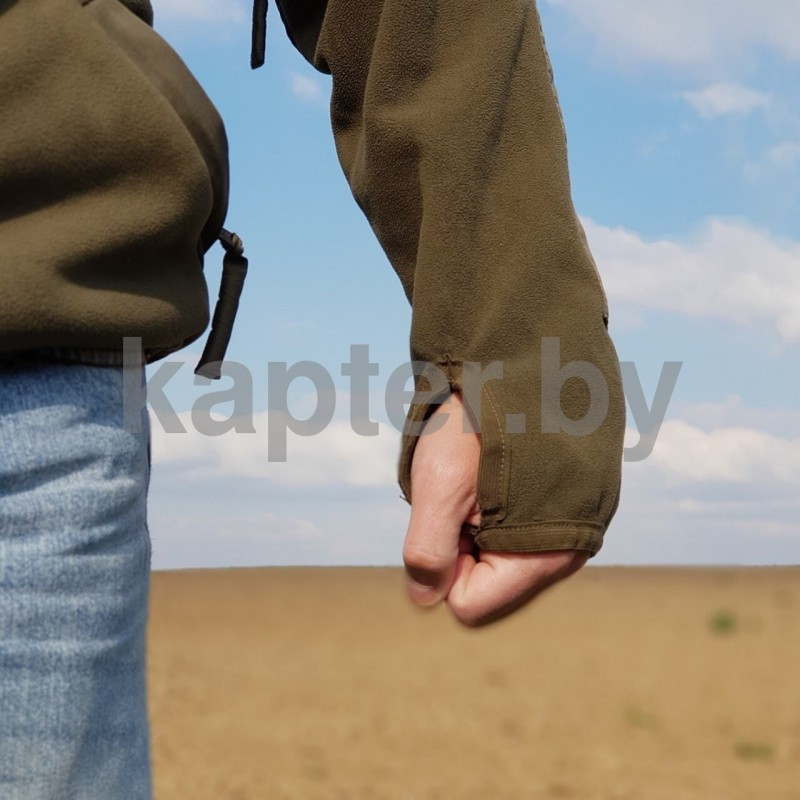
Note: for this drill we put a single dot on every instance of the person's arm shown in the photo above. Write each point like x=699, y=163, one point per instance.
x=448, y=129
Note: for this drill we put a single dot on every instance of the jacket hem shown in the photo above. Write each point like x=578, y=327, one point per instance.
x=90, y=356
x=536, y=537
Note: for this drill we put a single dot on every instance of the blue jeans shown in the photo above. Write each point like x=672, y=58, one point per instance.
x=74, y=580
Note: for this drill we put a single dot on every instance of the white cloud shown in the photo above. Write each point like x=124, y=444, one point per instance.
x=335, y=456
x=733, y=413
x=778, y=160
x=731, y=271
x=200, y=10
x=735, y=455
x=687, y=33
x=721, y=486
x=305, y=87
x=785, y=155
x=725, y=98
x=225, y=524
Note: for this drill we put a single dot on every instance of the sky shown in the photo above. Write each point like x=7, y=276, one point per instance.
x=683, y=123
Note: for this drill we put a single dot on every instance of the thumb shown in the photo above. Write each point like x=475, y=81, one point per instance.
x=430, y=552
x=443, y=498
x=433, y=542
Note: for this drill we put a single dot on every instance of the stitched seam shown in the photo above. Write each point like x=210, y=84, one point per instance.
x=590, y=526
x=501, y=479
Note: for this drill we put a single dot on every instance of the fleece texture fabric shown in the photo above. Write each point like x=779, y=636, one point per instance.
x=448, y=128
x=113, y=180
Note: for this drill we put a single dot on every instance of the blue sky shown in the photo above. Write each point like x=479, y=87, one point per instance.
x=683, y=122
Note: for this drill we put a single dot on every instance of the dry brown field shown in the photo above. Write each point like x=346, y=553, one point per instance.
x=621, y=684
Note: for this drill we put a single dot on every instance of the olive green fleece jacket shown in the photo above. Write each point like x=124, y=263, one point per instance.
x=113, y=180
x=448, y=129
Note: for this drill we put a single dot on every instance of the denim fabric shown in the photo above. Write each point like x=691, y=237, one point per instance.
x=74, y=580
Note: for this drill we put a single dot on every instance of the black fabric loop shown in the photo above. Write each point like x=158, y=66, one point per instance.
x=234, y=271
x=259, y=45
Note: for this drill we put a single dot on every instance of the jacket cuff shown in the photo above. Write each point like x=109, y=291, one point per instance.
x=537, y=491
x=540, y=536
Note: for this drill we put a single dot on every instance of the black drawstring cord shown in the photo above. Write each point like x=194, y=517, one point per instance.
x=234, y=270
x=234, y=265
x=259, y=45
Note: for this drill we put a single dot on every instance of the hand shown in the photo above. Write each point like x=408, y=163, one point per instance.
x=439, y=559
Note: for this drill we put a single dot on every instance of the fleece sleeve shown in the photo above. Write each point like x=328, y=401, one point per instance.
x=448, y=129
